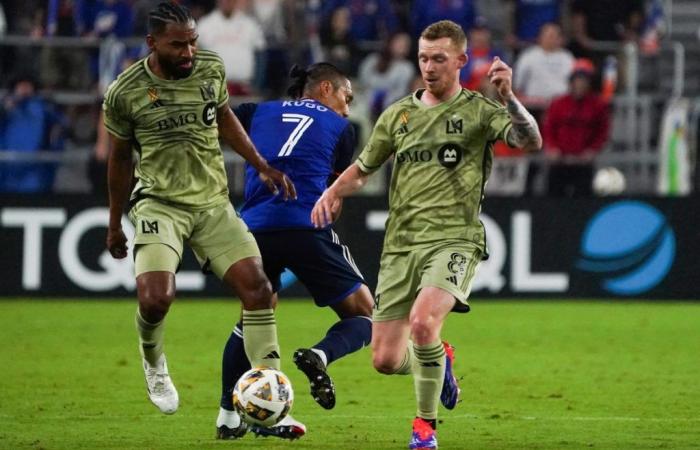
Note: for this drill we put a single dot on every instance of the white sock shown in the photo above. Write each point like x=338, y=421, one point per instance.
x=322, y=355
x=229, y=418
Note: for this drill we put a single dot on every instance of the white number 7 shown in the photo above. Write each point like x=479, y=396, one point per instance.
x=304, y=122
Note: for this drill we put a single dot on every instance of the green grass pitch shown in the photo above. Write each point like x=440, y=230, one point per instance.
x=537, y=375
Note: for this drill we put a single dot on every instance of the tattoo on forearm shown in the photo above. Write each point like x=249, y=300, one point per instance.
x=525, y=133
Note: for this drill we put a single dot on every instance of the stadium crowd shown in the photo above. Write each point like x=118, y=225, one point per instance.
x=546, y=41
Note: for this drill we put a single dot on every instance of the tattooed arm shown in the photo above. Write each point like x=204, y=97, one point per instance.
x=525, y=133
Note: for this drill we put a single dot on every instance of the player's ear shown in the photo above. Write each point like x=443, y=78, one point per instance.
x=151, y=42
x=326, y=88
x=462, y=58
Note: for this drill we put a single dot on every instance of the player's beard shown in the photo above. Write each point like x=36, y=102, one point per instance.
x=174, y=68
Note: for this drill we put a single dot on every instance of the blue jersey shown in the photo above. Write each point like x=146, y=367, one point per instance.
x=306, y=140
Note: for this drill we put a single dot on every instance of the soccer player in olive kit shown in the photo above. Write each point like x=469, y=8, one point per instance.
x=310, y=139
x=441, y=141
x=171, y=108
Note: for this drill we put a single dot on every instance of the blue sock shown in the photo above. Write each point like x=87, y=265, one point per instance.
x=234, y=364
x=346, y=336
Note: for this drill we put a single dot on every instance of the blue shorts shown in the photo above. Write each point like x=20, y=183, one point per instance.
x=316, y=257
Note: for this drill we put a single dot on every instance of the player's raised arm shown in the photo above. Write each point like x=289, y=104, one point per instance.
x=525, y=133
x=120, y=167
x=232, y=132
x=328, y=205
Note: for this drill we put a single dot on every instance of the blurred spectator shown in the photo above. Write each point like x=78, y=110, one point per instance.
x=576, y=127
x=370, y=20
x=103, y=18
x=339, y=46
x=425, y=12
x=3, y=30
x=387, y=76
x=654, y=27
x=3, y=22
x=526, y=18
x=542, y=71
x=238, y=38
x=28, y=124
x=68, y=67
x=480, y=53
x=271, y=15
x=604, y=20
x=24, y=18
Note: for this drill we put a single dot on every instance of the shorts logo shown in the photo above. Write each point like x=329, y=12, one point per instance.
x=456, y=264
x=209, y=114
x=450, y=155
x=149, y=227
x=376, y=302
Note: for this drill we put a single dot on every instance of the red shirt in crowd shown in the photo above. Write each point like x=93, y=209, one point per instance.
x=576, y=126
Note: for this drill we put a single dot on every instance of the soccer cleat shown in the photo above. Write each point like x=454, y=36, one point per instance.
x=322, y=388
x=288, y=428
x=423, y=437
x=226, y=433
x=229, y=425
x=160, y=387
x=450, y=387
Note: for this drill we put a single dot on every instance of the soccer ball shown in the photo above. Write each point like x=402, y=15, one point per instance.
x=263, y=396
x=609, y=181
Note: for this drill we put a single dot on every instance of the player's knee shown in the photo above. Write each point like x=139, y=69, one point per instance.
x=257, y=294
x=385, y=362
x=154, y=303
x=422, y=329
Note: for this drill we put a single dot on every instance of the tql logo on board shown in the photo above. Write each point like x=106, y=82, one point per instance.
x=630, y=245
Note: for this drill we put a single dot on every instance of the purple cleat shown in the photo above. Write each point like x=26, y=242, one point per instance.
x=423, y=437
x=450, y=387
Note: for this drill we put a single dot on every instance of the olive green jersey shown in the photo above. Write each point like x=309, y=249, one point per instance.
x=442, y=158
x=172, y=125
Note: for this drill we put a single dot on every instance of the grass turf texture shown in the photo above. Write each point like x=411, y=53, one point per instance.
x=545, y=375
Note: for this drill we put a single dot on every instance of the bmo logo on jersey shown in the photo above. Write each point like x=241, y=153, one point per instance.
x=209, y=114
x=450, y=155
x=170, y=123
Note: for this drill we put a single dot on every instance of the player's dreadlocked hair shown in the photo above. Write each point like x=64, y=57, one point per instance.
x=165, y=13
x=306, y=79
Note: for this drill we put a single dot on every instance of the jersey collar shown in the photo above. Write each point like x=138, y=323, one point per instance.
x=417, y=101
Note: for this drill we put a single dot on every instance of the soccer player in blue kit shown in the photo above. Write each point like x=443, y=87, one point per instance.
x=310, y=139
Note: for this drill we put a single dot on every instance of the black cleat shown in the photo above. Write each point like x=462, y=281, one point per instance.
x=288, y=428
x=289, y=432
x=322, y=388
x=226, y=433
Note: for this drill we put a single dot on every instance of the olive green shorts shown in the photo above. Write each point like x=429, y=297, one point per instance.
x=450, y=265
x=218, y=236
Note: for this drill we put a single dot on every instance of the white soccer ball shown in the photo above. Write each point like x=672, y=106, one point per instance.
x=263, y=396
x=609, y=181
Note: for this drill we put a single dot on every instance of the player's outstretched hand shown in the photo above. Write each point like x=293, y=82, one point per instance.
x=501, y=76
x=116, y=243
x=273, y=178
x=326, y=209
